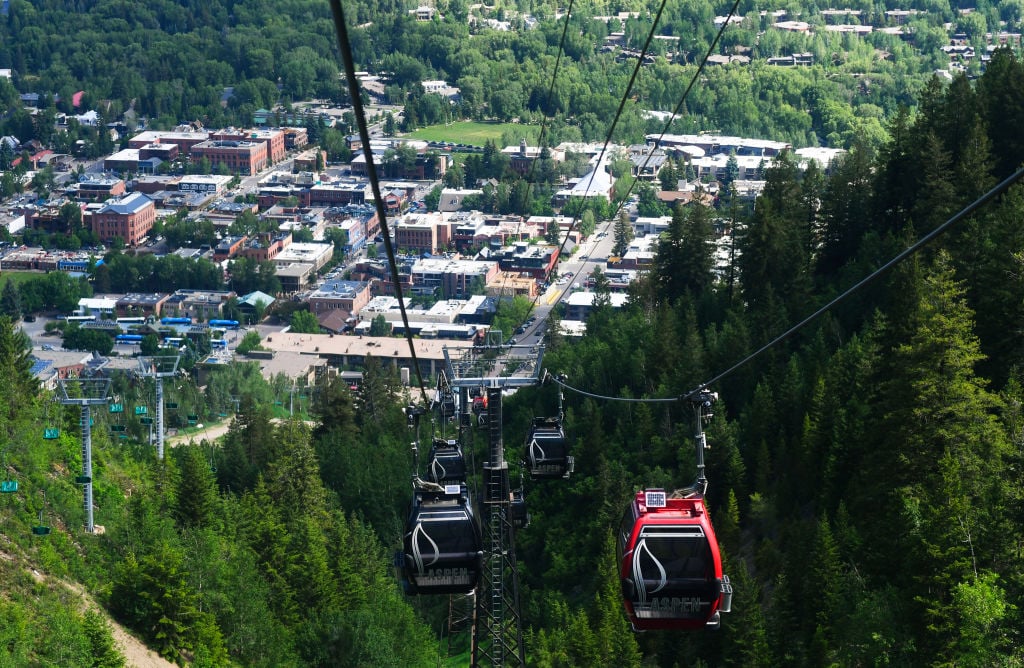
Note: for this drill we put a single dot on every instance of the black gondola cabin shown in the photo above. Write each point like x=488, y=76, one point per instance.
x=442, y=552
x=447, y=463
x=547, y=450
x=669, y=564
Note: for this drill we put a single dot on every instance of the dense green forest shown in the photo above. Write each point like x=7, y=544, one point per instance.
x=217, y=62
x=865, y=472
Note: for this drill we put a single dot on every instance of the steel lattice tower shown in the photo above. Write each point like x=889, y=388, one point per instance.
x=497, y=626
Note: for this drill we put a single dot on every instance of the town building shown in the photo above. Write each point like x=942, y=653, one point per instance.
x=331, y=194
x=522, y=157
x=130, y=217
x=597, y=183
x=440, y=321
x=272, y=138
x=239, y=157
x=130, y=161
x=294, y=276
x=265, y=247
x=451, y=279
x=422, y=233
x=140, y=304
x=98, y=189
x=347, y=296
x=452, y=198
x=183, y=140
x=199, y=304
x=317, y=255
x=534, y=260
x=716, y=144
x=580, y=303
x=351, y=352
x=228, y=248
x=254, y=305
x=211, y=184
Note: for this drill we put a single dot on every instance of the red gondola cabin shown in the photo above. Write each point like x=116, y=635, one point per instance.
x=669, y=564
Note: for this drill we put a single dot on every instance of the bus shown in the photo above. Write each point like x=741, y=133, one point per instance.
x=219, y=344
x=226, y=324
x=175, y=321
x=131, y=321
x=175, y=341
x=81, y=318
x=128, y=338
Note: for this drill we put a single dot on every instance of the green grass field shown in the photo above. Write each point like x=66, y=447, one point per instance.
x=19, y=277
x=476, y=134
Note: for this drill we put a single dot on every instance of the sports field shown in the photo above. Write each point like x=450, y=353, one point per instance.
x=475, y=134
x=19, y=277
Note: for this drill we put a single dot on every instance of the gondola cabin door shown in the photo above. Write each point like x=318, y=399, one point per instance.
x=669, y=564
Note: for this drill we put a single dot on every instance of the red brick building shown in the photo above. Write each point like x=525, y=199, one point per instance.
x=130, y=217
x=264, y=248
x=240, y=157
x=273, y=139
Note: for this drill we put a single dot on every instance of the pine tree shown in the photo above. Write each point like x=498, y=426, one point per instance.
x=623, y=234
x=668, y=176
x=942, y=458
x=616, y=642
x=1001, y=97
x=197, y=492
x=104, y=652
x=10, y=301
x=773, y=262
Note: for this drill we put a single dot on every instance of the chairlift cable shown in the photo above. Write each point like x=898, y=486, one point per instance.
x=345, y=46
x=902, y=255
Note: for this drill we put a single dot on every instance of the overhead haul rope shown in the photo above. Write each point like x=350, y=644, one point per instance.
x=543, y=129
x=608, y=137
x=997, y=190
x=668, y=124
x=345, y=46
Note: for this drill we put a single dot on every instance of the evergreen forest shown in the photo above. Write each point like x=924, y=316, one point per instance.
x=865, y=471
x=216, y=62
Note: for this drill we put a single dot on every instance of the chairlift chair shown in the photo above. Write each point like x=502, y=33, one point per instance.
x=41, y=529
x=8, y=485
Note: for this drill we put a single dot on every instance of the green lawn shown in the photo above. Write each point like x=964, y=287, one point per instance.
x=19, y=277
x=476, y=134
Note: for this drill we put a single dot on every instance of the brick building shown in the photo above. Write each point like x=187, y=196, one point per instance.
x=273, y=139
x=130, y=217
x=422, y=233
x=240, y=157
x=349, y=296
x=99, y=189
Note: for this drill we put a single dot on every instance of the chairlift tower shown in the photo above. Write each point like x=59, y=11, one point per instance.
x=85, y=393
x=497, y=638
x=159, y=367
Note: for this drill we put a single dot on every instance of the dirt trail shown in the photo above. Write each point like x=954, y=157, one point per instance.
x=136, y=654
x=213, y=432
x=210, y=433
